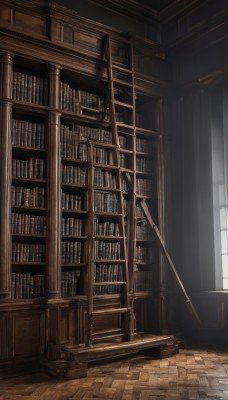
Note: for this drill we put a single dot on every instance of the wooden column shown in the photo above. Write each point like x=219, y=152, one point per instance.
x=54, y=188
x=5, y=173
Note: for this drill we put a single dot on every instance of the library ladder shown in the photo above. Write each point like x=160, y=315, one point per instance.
x=124, y=87
x=127, y=79
x=123, y=118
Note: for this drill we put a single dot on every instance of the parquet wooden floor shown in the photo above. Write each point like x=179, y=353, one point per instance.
x=191, y=374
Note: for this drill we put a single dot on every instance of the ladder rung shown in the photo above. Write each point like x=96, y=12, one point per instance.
x=121, y=124
x=144, y=130
x=109, y=261
x=114, y=66
x=121, y=82
x=110, y=283
x=111, y=311
x=110, y=237
x=119, y=103
x=126, y=151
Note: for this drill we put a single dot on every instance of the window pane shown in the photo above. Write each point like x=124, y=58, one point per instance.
x=225, y=265
x=224, y=242
x=223, y=218
x=225, y=284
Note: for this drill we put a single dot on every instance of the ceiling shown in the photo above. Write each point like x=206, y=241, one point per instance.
x=157, y=5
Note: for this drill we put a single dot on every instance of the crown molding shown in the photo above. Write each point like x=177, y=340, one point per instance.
x=130, y=8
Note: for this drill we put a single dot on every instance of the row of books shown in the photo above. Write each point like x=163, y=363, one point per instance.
x=123, y=140
x=143, y=232
x=108, y=273
x=105, y=179
x=96, y=134
x=69, y=98
x=144, y=254
x=144, y=187
x=74, y=175
x=143, y=145
x=105, y=228
x=29, y=88
x=124, y=161
x=70, y=283
x=143, y=164
x=71, y=252
x=70, y=144
x=27, y=286
x=26, y=224
x=103, y=156
x=107, y=250
x=125, y=186
x=25, y=253
x=28, y=134
x=71, y=227
x=106, y=202
x=31, y=168
x=71, y=201
x=143, y=281
x=91, y=100
x=28, y=197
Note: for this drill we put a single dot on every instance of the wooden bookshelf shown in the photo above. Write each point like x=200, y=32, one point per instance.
x=67, y=208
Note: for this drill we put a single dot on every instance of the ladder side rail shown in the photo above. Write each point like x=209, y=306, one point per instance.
x=116, y=139
x=167, y=257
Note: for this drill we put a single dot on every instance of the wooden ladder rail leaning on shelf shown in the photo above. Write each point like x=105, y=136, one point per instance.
x=159, y=241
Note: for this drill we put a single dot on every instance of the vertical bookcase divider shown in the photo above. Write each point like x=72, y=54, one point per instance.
x=91, y=247
x=54, y=190
x=6, y=60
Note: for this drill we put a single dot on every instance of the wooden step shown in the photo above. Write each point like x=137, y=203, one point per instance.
x=106, y=350
x=111, y=310
x=119, y=103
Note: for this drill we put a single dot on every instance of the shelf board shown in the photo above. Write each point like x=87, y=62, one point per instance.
x=28, y=235
x=30, y=181
x=74, y=237
x=74, y=186
x=106, y=166
x=29, y=263
x=106, y=189
x=97, y=143
x=108, y=261
x=73, y=265
x=106, y=214
x=29, y=208
x=85, y=119
x=26, y=106
x=109, y=237
x=27, y=149
x=69, y=211
x=74, y=161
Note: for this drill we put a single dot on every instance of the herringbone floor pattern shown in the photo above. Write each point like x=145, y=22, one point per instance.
x=191, y=374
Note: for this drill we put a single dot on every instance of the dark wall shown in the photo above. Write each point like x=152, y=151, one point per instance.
x=196, y=127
